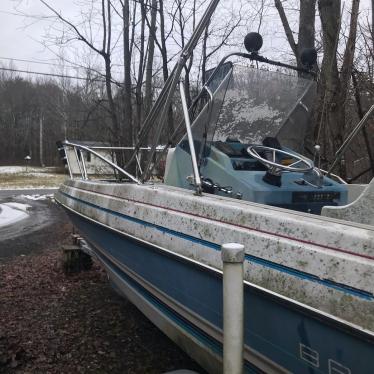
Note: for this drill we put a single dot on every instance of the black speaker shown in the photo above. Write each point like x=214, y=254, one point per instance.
x=253, y=42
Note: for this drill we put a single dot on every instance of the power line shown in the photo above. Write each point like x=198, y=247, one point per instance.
x=37, y=62
x=55, y=64
x=50, y=74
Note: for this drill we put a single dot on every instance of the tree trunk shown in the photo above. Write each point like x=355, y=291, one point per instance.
x=106, y=53
x=345, y=74
x=139, y=84
x=306, y=27
x=148, y=95
x=333, y=86
x=112, y=107
x=127, y=105
x=164, y=54
x=329, y=85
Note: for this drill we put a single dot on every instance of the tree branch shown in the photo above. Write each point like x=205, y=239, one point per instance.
x=349, y=52
x=286, y=26
x=64, y=20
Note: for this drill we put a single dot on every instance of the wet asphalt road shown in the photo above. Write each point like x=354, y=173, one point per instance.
x=36, y=231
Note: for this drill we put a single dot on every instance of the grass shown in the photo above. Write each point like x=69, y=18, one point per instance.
x=33, y=178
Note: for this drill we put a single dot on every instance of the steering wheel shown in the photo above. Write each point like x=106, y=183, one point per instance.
x=274, y=167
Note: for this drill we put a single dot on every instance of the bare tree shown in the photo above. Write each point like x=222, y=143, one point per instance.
x=334, y=86
x=104, y=51
x=127, y=101
x=140, y=72
x=163, y=40
x=148, y=94
x=182, y=20
x=219, y=35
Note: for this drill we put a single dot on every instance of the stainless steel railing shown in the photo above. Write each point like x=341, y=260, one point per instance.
x=77, y=150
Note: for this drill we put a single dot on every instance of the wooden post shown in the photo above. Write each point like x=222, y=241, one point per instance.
x=75, y=260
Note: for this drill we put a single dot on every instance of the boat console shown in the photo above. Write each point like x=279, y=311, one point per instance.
x=230, y=170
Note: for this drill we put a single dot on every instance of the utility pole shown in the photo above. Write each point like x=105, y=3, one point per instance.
x=41, y=139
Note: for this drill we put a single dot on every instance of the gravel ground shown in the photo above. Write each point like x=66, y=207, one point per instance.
x=54, y=323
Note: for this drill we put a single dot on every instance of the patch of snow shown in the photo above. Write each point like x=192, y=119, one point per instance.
x=17, y=169
x=32, y=170
x=36, y=197
x=11, y=169
x=41, y=174
x=28, y=188
x=9, y=215
x=18, y=206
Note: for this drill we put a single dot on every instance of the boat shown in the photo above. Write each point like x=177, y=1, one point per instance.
x=234, y=175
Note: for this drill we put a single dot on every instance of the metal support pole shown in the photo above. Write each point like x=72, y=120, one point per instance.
x=190, y=140
x=85, y=175
x=76, y=151
x=68, y=162
x=339, y=153
x=232, y=255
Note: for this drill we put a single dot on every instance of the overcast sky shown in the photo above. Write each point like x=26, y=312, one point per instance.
x=21, y=36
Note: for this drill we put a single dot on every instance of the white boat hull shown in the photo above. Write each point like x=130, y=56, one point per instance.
x=318, y=265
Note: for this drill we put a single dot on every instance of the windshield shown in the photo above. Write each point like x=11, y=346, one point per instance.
x=251, y=104
x=204, y=125
x=260, y=103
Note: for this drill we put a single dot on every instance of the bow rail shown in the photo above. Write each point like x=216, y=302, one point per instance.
x=79, y=159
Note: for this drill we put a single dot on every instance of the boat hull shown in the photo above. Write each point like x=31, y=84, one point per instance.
x=183, y=297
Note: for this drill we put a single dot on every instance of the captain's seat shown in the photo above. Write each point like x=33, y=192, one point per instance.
x=271, y=142
x=270, y=178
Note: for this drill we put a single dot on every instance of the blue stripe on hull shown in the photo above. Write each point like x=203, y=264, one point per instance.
x=279, y=330
x=213, y=344
x=259, y=261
